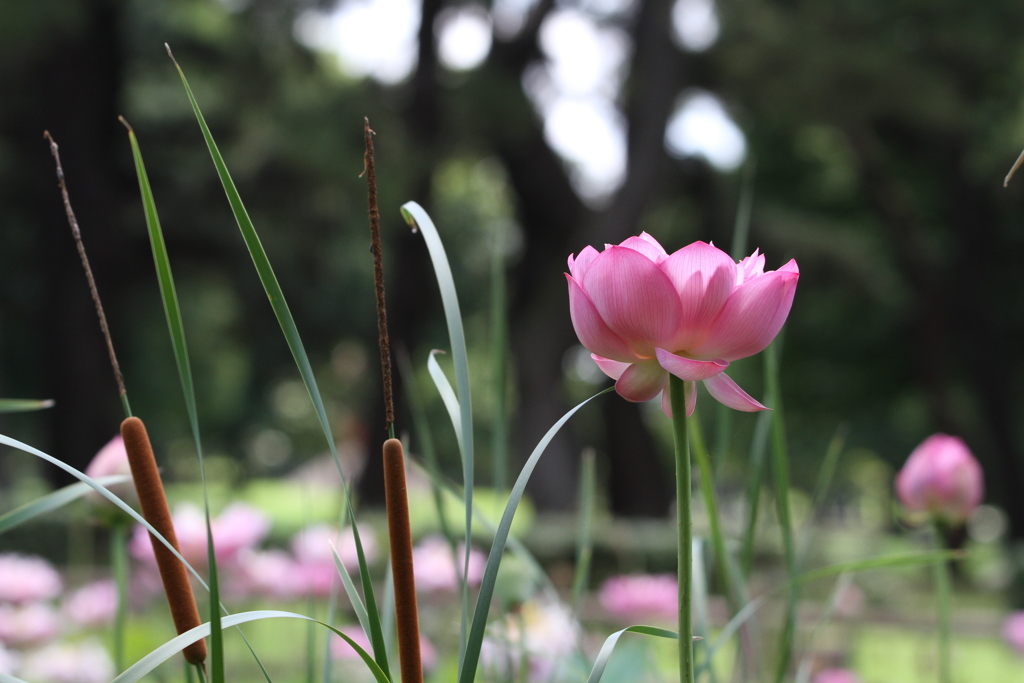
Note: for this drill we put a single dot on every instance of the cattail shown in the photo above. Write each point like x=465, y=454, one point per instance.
x=407, y=619
x=154, y=509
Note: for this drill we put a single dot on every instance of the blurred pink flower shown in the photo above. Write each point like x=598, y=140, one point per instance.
x=25, y=578
x=543, y=633
x=239, y=526
x=92, y=605
x=941, y=478
x=28, y=625
x=643, y=314
x=640, y=596
x=315, y=559
x=835, y=676
x=189, y=527
x=112, y=460
x=1013, y=631
x=271, y=573
x=342, y=651
x=86, y=661
x=435, y=568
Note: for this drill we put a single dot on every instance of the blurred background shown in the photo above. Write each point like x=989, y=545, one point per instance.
x=871, y=138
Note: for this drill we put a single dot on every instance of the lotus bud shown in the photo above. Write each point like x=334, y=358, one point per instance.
x=941, y=479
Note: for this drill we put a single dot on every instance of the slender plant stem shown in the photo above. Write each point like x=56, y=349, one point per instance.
x=685, y=527
x=943, y=599
x=77, y=234
x=119, y=565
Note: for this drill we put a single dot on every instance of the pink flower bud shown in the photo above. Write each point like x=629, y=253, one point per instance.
x=645, y=314
x=111, y=460
x=942, y=479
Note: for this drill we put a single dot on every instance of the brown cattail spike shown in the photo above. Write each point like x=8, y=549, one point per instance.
x=407, y=621
x=378, y=276
x=155, y=511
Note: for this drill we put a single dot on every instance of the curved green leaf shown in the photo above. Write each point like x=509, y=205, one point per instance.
x=609, y=645
x=416, y=217
x=23, y=405
x=291, y=334
x=53, y=501
x=175, y=645
x=467, y=672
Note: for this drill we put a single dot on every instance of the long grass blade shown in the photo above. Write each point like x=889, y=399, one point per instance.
x=53, y=501
x=23, y=405
x=499, y=362
x=780, y=476
x=702, y=619
x=467, y=672
x=894, y=561
x=418, y=219
x=826, y=474
x=444, y=388
x=161, y=654
x=294, y=341
x=707, y=486
x=609, y=646
x=755, y=478
x=176, y=328
x=803, y=671
x=353, y=596
x=585, y=535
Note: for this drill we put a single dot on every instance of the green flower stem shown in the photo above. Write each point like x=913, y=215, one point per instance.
x=684, y=521
x=943, y=598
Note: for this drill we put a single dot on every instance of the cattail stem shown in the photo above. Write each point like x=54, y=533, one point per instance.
x=407, y=617
x=77, y=234
x=378, y=277
x=153, y=501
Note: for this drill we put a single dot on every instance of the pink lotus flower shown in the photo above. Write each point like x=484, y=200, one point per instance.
x=237, y=528
x=435, y=568
x=86, y=661
x=941, y=478
x=27, y=578
x=111, y=460
x=28, y=625
x=315, y=558
x=641, y=596
x=643, y=314
x=1013, y=631
x=93, y=605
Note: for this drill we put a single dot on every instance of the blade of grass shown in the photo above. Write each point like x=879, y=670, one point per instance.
x=53, y=501
x=707, y=486
x=23, y=405
x=119, y=568
x=287, y=322
x=609, y=646
x=755, y=478
x=467, y=672
x=499, y=362
x=353, y=596
x=448, y=398
x=161, y=654
x=702, y=620
x=585, y=535
x=894, y=561
x=176, y=328
x=418, y=219
x=821, y=489
x=780, y=472
x=803, y=671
